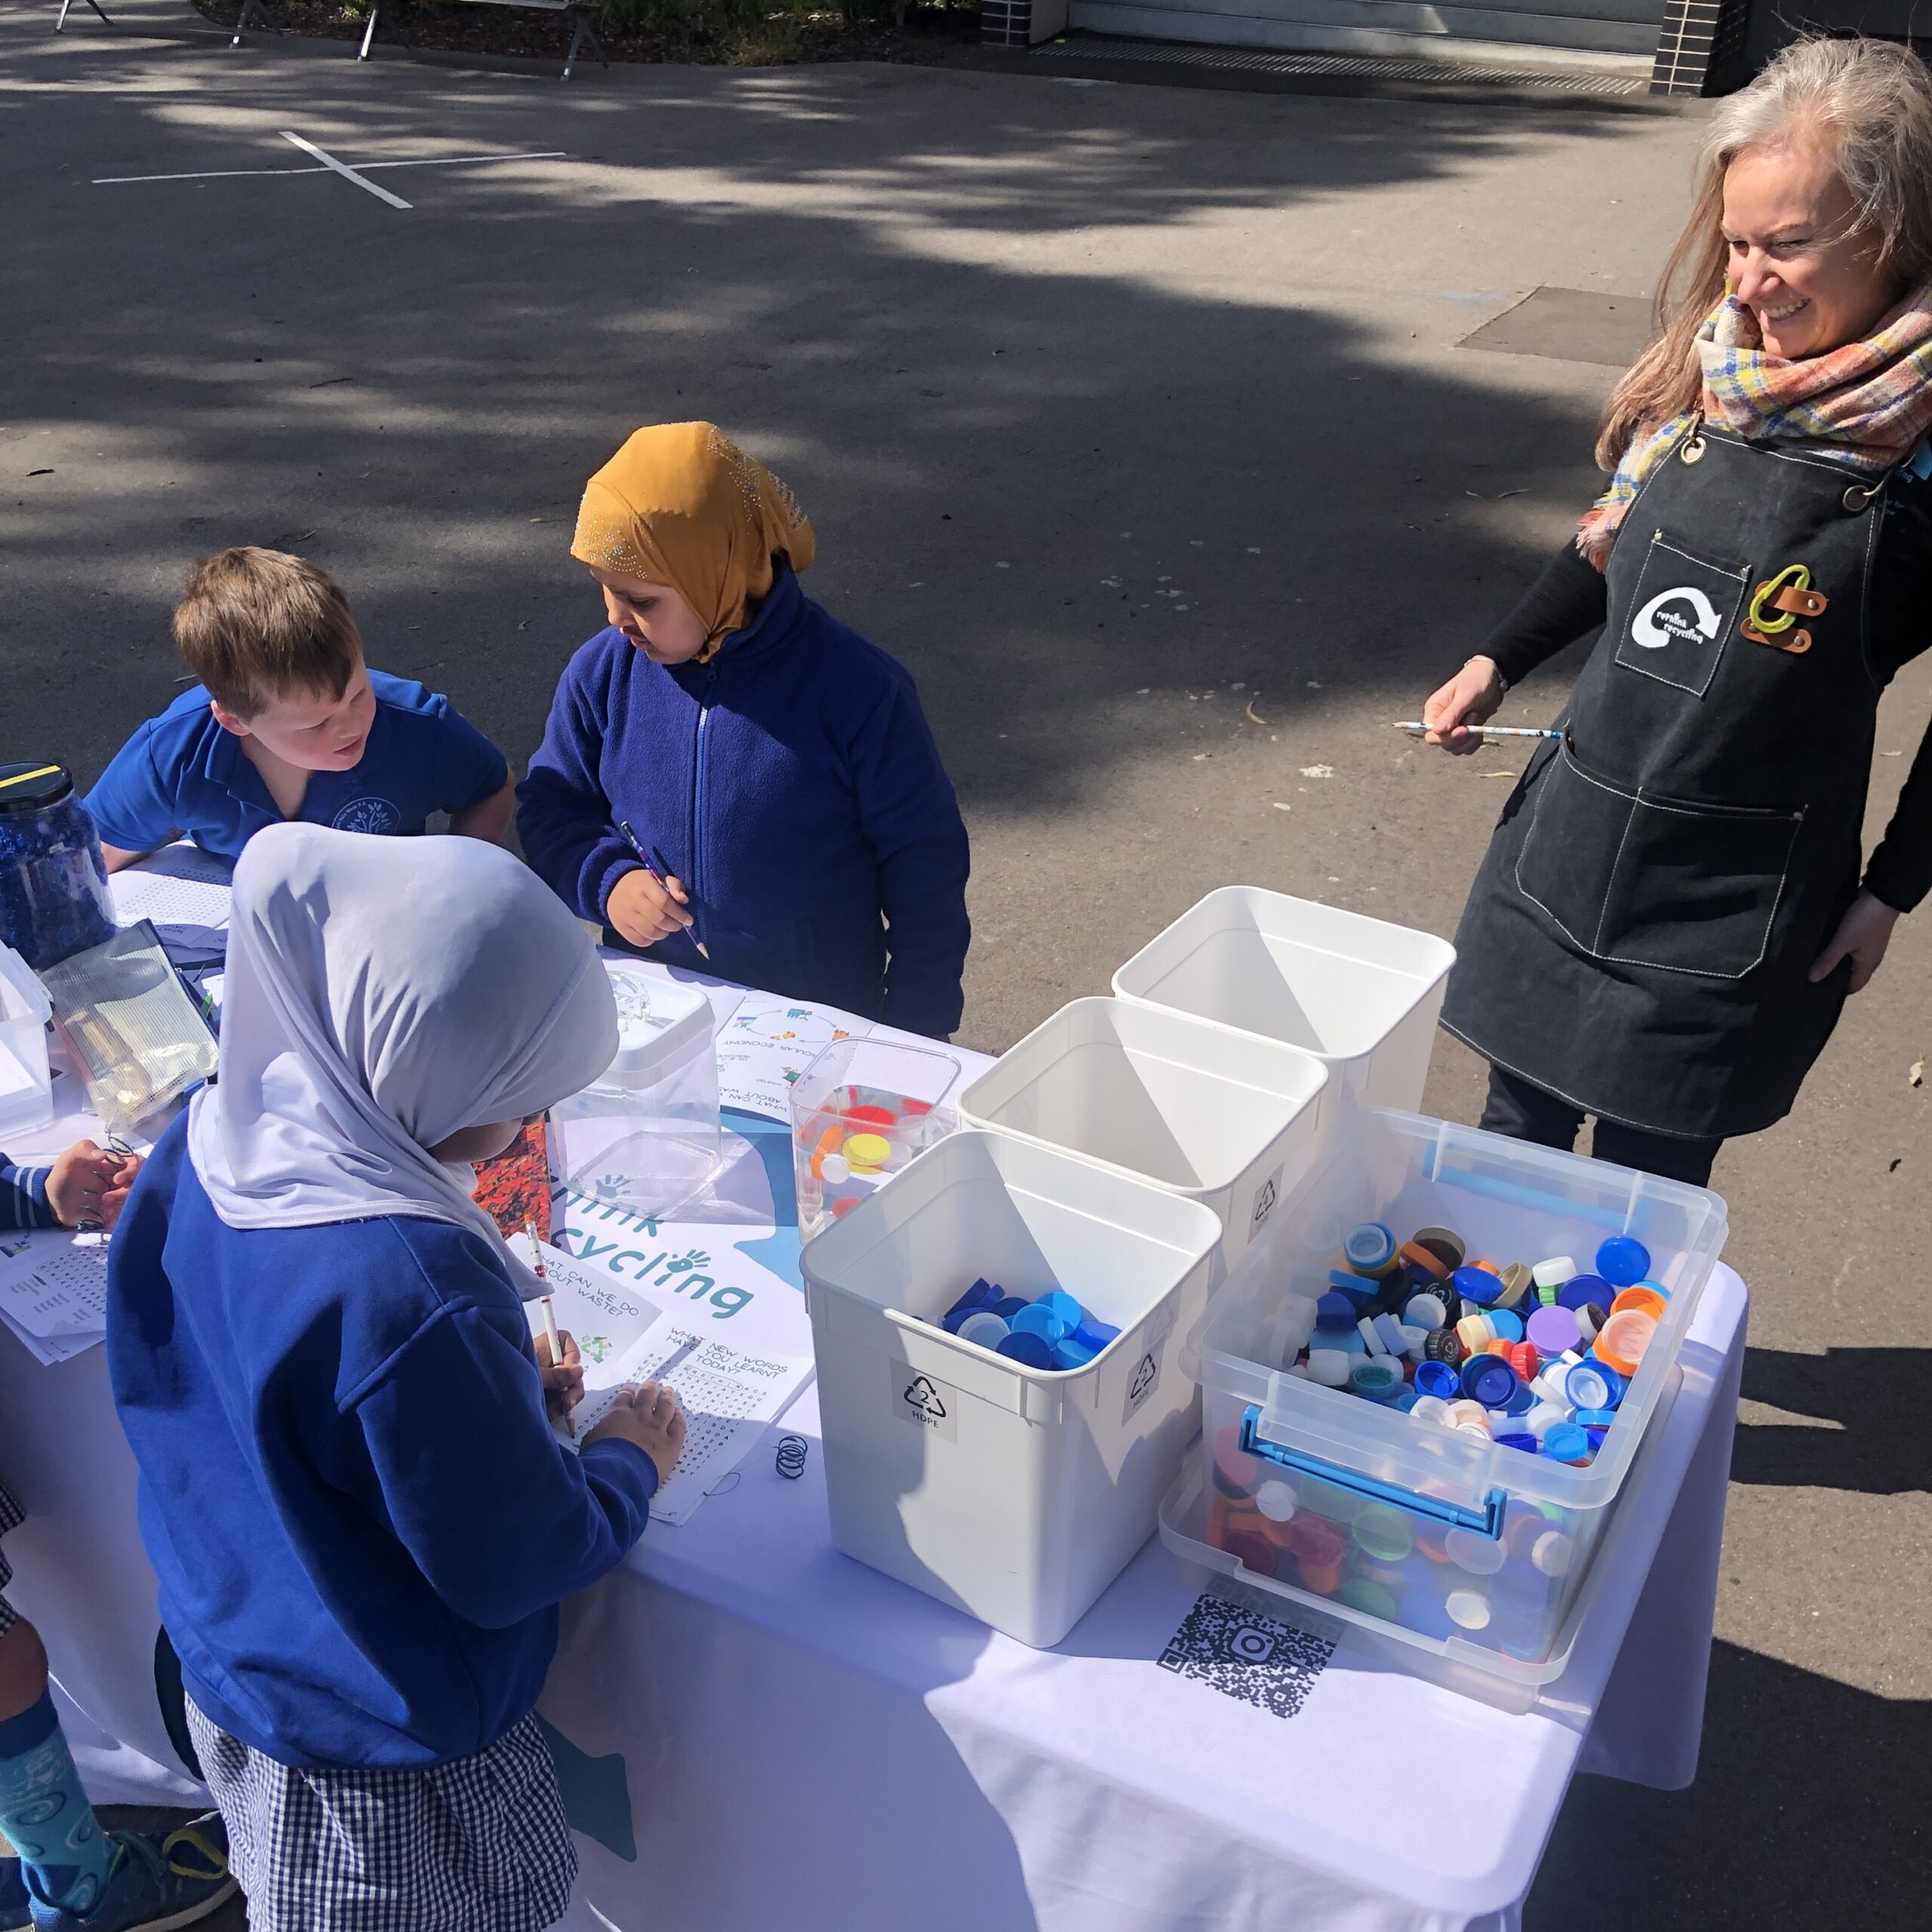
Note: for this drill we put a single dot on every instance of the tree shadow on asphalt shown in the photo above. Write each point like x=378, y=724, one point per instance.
x=1810, y=1810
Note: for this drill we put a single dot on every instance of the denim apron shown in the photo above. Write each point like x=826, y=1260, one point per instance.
x=1638, y=935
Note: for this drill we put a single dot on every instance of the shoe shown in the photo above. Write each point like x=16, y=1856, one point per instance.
x=15, y=1913
x=155, y=1883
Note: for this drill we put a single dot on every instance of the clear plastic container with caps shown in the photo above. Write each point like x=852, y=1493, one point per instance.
x=644, y=1136
x=861, y=1112
x=1498, y=1531
x=53, y=899
x=26, y=1086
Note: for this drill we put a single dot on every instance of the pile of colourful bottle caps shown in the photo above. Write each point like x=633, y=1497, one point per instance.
x=1535, y=1355
x=1052, y=1331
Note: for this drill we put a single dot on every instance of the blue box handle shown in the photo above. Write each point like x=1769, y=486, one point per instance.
x=1485, y=1522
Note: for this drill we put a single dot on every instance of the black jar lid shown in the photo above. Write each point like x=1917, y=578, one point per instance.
x=29, y=787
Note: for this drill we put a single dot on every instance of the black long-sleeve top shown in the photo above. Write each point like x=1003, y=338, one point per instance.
x=1570, y=599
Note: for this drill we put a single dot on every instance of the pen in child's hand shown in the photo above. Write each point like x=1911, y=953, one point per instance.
x=1416, y=728
x=549, y=1313
x=656, y=872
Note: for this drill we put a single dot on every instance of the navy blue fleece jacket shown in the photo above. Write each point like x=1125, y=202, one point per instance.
x=791, y=784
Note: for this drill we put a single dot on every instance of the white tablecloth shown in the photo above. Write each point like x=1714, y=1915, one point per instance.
x=757, y=1734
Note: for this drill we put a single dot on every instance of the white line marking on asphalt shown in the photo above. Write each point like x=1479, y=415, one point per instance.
x=330, y=166
x=342, y=168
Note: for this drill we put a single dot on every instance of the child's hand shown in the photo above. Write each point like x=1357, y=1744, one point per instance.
x=83, y=1182
x=650, y=1416
x=643, y=911
x=563, y=1382
x=116, y=1198
x=1470, y=698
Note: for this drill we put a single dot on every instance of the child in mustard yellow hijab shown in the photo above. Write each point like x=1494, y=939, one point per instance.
x=776, y=765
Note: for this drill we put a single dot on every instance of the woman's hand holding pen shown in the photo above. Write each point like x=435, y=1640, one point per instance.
x=1473, y=697
x=644, y=911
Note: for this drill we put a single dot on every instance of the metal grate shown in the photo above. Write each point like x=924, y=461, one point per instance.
x=1360, y=66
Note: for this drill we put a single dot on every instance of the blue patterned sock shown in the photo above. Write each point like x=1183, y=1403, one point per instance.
x=43, y=1810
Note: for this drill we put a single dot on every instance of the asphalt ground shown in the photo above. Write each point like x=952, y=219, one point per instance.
x=1134, y=419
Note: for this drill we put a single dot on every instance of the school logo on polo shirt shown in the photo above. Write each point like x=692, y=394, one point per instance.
x=372, y=815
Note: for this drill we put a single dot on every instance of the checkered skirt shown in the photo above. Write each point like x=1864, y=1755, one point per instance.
x=11, y=1517
x=479, y=1845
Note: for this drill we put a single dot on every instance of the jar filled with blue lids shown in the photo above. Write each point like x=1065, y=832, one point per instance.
x=53, y=880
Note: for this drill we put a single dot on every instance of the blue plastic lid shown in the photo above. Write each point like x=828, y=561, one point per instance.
x=1347, y=1340
x=1594, y=1418
x=1507, y=1323
x=1034, y=1352
x=1523, y=1401
x=1334, y=1310
x=1580, y=1290
x=1357, y=1289
x=1522, y=1440
x=1371, y=1245
x=953, y=1318
x=1040, y=1320
x=1063, y=1305
x=1406, y=1400
x=1623, y=1261
x=983, y=1328
x=1593, y=1384
x=1094, y=1335
x=1008, y=1307
x=981, y=1294
x=1070, y=1354
x=1596, y=1433
x=1437, y=1378
x=1478, y=1285
x=1490, y=1380
x=1564, y=1442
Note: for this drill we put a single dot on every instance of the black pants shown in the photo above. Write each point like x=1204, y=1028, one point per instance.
x=1526, y=1112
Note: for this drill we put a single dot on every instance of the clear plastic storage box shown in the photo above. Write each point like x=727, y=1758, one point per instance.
x=1014, y=1493
x=1452, y=1544
x=26, y=1087
x=1360, y=994
x=1229, y=1122
x=644, y=1135
x=861, y=1112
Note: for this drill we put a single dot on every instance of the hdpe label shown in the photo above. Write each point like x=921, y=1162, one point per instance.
x=924, y=1401
x=1144, y=1380
x=1266, y=1195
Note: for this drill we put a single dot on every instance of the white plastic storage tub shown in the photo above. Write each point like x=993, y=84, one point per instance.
x=644, y=1135
x=1360, y=994
x=1229, y=1122
x=1013, y=1493
x=27, y=1088
x=1456, y=1544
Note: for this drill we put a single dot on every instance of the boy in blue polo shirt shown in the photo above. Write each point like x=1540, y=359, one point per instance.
x=286, y=721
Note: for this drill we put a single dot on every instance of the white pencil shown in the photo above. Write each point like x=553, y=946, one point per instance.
x=549, y=1313
x=1418, y=729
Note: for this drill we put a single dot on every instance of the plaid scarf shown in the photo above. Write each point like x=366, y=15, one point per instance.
x=1868, y=404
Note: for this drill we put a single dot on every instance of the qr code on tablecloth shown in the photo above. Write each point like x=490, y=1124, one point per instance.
x=1271, y=1665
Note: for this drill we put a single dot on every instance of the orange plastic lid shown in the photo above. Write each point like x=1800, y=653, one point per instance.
x=1623, y=1338
x=1646, y=1301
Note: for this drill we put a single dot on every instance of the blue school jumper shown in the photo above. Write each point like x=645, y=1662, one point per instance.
x=791, y=784
x=362, y=1521
x=24, y=1202
x=182, y=773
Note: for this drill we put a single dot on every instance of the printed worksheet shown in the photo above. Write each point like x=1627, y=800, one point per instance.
x=767, y=1043
x=184, y=892
x=730, y=1393
x=54, y=1290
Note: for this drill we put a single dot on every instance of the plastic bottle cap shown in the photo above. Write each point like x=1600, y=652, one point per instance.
x=1040, y=1321
x=1477, y=1285
x=1521, y=1403
x=1029, y=1351
x=1518, y=1438
x=1432, y=1267
x=1523, y=1359
x=1474, y=1333
x=1360, y=1290
x=1314, y=1540
x=1466, y=1411
x=1553, y=1329
x=1621, y=1260
x=1489, y=1379
x=1070, y=1354
x=1581, y=1289
x=1390, y=1330
x=1094, y=1334
x=1445, y=1345
x=1565, y=1443
x=1554, y=1272
x=1468, y=1608
x=1480, y=1556
x=981, y=1294
x=983, y=1328
x=1553, y=1552
x=1414, y=1339
x=1593, y=1384
x=1430, y=1408
x=1447, y=1246
x=1371, y=1340
x=1382, y=1533
x=1507, y=1324
x=1596, y=1419
x=867, y=1151
x=1646, y=1301
x=1063, y=1305
x=1334, y=1308
x=1377, y=1378
x=1370, y=1246
x=1426, y=1311
x=834, y=1168
x=1275, y=1499
x=1623, y=1338
x=1590, y=1319
x=1329, y=1366
x=1009, y=1305
x=1517, y=1282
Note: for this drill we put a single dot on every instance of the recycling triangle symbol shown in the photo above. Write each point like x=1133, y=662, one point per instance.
x=925, y=1397
x=1144, y=1379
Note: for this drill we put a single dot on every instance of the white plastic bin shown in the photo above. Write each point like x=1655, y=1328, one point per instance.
x=1014, y=1494
x=1360, y=994
x=1396, y=1515
x=644, y=1134
x=27, y=1088
x=1231, y=1123
x=864, y=1097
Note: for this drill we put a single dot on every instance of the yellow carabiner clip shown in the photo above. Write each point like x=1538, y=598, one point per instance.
x=1798, y=577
